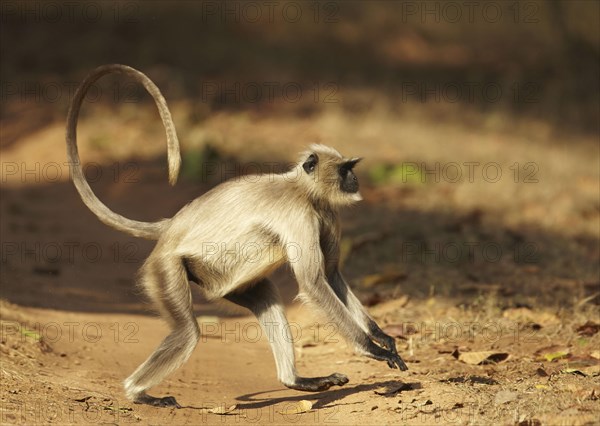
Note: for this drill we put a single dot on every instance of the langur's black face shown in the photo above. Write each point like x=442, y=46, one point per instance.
x=348, y=180
x=331, y=176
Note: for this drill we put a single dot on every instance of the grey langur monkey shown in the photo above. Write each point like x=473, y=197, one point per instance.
x=290, y=217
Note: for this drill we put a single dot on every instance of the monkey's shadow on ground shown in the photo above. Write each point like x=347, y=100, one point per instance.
x=325, y=399
x=56, y=254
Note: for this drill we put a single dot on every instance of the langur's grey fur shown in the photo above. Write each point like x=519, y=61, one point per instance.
x=230, y=239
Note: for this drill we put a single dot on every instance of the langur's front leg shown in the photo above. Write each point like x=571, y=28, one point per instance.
x=313, y=284
x=358, y=311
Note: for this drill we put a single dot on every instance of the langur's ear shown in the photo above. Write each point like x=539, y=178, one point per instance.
x=349, y=165
x=353, y=162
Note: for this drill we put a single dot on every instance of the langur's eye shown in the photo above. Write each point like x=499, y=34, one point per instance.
x=311, y=163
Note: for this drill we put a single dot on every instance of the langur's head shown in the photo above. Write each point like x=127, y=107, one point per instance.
x=328, y=176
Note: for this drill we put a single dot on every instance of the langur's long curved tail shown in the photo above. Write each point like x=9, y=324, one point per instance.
x=148, y=230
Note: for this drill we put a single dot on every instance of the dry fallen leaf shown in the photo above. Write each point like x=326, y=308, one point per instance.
x=556, y=355
x=552, y=353
x=221, y=409
x=480, y=358
x=300, y=407
x=588, y=329
x=592, y=370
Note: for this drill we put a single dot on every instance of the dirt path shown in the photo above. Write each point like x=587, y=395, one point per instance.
x=67, y=368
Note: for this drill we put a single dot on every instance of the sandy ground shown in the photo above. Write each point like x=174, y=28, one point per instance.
x=74, y=325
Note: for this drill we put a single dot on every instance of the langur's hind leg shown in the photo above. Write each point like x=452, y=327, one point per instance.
x=264, y=302
x=165, y=281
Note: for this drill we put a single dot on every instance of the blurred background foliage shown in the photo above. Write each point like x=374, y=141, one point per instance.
x=545, y=53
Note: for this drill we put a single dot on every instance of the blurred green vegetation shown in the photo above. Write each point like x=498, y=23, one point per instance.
x=194, y=161
x=545, y=53
x=396, y=174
